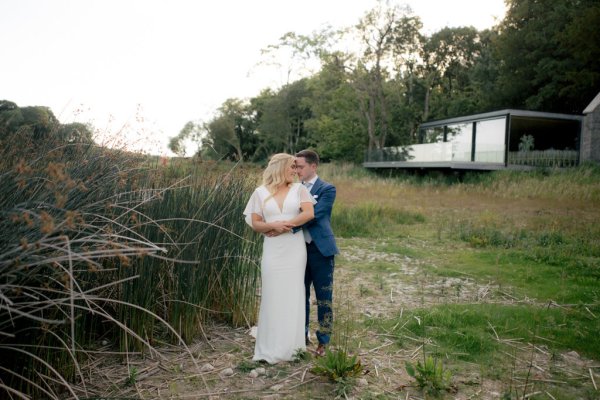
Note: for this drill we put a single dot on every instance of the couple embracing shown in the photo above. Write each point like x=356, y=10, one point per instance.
x=298, y=251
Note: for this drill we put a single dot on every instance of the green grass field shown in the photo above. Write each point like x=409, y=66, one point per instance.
x=530, y=243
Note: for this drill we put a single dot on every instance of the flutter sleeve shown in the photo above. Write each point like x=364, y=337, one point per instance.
x=305, y=196
x=254, y=206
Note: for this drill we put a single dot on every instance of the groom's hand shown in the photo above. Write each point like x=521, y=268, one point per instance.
x=281, y=227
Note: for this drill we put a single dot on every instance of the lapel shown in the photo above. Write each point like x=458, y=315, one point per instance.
x=315, y=188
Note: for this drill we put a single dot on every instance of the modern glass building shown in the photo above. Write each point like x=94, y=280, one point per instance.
x=494, y=140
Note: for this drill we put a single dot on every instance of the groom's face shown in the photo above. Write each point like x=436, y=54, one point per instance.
x=305, y=170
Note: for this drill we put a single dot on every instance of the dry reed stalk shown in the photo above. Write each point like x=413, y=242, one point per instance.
x=494, y=330
x=526, y=396
x=591, y=313
x=549, y=395
x=415, y=353
x=387, y=343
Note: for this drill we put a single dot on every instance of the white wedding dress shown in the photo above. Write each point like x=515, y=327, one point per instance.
x=281, y=316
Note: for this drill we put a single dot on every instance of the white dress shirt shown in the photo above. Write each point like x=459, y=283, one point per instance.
x=309, y=184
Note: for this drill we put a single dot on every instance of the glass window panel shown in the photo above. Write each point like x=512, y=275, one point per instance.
x=461, y=135
x=433, y=135
x=489, y=140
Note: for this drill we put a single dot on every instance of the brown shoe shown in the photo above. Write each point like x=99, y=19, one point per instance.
x=320, y=350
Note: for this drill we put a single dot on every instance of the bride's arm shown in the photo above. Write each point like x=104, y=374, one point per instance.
x=305, y=215
x=258, y=225
x=308, y=213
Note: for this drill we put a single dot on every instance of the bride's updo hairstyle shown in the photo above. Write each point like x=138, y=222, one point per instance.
x=274, y=174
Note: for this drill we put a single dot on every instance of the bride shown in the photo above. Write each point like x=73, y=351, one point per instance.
x=274, y=209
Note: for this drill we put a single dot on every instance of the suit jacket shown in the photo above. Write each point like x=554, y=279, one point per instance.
x=320, y=227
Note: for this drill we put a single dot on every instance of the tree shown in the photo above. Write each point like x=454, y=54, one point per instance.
x=11, y=118
x=388, y=37
x=375, y=31
x=550, y=55
x=336, y=128
x=271, y=125
x=484, y=72
x=190, y=131
x=281, y=117
x=580, y=40
x=449, y=55
x=231, y=134
x=37, y=122
x=301, y=51
x=40, y=121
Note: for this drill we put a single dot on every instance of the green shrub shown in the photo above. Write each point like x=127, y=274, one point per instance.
x=430, y=375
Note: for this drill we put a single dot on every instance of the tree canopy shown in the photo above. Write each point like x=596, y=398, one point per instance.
x=38, y=123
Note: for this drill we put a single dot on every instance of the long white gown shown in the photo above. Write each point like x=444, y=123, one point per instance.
x=281, y=316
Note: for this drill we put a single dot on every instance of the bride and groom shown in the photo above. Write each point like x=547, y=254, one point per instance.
x=298, y=251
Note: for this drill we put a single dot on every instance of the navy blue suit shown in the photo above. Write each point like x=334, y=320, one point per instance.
x=320, y=258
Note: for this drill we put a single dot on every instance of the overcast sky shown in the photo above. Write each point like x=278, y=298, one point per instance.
x=155, y=64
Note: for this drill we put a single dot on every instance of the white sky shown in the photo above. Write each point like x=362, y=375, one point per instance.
x=156, y=64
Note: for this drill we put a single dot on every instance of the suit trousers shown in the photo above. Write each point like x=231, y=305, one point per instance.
x=319, y=273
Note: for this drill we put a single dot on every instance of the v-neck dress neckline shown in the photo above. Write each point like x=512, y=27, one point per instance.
x=284, y=199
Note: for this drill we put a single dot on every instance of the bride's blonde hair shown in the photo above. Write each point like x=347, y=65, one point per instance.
x=274, y=175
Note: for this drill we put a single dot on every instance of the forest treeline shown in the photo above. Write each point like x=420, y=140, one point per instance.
x=33, y=124
x=544, y=55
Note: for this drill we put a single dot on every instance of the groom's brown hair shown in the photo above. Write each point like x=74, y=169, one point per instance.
x=310, y=156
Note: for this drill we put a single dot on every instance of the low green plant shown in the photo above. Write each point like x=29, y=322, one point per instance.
x=337, y=365
x=132, y=378
x=363, y=290
x=301, y=355
x=340, y=368
x=246, y=366
x=430, y=375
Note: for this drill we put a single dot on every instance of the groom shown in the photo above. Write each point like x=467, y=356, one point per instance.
x=320, y=246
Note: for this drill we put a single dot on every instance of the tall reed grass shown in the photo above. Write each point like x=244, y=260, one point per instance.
x=95, y=245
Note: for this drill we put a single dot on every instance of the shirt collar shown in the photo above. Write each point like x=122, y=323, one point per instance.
x=313, y=180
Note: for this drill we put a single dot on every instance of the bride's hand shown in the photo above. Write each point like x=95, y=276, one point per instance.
x=281, y=226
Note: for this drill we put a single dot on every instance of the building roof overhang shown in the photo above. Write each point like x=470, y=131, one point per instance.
x=593, y=105
x=501, y=113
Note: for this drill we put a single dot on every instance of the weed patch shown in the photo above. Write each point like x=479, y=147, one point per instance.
x=472, y=332
x=370, y=220
x=430, y=375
